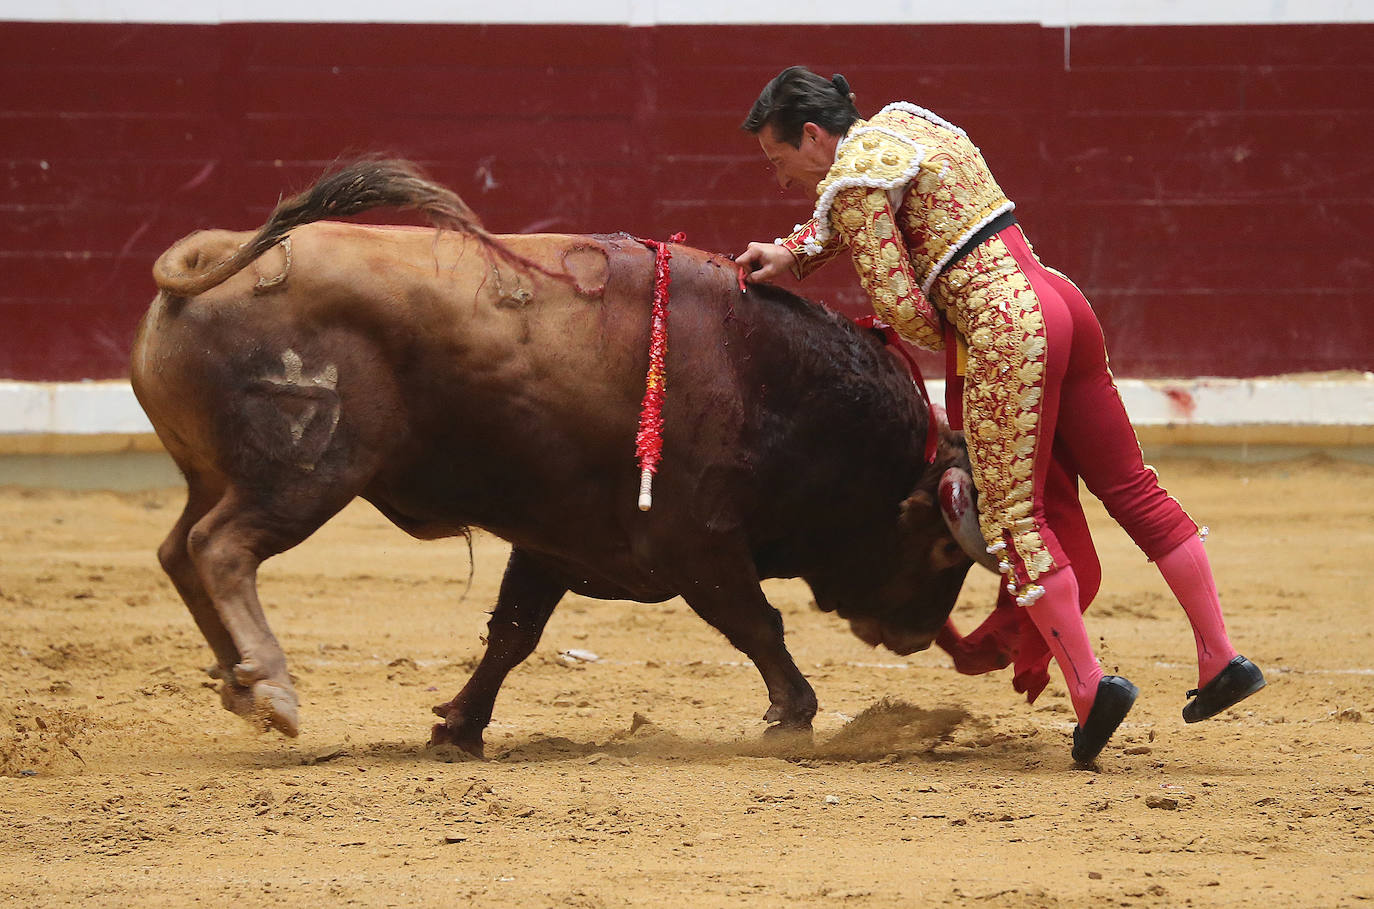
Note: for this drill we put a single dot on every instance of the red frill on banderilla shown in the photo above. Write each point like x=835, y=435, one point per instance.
x=649, y=438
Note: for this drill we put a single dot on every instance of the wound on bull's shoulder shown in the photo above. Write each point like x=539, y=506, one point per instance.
x=589, y=267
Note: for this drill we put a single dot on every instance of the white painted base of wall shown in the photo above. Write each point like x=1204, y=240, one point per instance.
x=1342, y=404
x=70, y=408
x=1345, y=400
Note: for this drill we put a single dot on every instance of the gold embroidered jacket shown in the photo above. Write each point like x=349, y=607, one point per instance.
x=907, y=189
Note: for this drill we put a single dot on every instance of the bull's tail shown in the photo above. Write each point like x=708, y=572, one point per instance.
x=356, y=187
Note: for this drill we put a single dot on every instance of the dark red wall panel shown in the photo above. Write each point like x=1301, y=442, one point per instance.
x=1211, y=188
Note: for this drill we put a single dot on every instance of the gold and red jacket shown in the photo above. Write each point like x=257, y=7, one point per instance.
x=906, y=192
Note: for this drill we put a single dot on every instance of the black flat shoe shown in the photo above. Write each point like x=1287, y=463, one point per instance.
x=1115, y=695
x=1240, y=679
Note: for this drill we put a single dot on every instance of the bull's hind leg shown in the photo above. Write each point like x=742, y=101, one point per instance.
x=739, y=610
x=175, y=556
x=529, y=593
x=226, y=546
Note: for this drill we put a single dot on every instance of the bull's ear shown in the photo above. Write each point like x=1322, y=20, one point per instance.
x=916, y=508
x=952, y=446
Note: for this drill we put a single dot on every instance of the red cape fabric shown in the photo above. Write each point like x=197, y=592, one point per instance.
x=1007, y=637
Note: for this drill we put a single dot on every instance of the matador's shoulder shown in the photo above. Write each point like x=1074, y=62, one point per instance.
x=873, y=156
x=882, y=153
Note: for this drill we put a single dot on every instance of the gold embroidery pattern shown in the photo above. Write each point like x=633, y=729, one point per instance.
x=948, y=194
x=995, y=308
x=865, y=220
x=951, y=198
x=802, y=243
x=870, y=156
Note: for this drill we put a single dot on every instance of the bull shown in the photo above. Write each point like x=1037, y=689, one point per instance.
x=458, y=379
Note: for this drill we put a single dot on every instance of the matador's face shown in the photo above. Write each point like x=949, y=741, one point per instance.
x=800, y=167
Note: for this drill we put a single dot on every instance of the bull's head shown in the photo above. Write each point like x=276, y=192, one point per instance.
x=915, y=585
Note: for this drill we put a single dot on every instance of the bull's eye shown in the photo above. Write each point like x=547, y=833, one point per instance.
x=946, y=553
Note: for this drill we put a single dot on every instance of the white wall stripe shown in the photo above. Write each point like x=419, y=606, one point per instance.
x=70, y=408
x=109, y=408
x=699, y=12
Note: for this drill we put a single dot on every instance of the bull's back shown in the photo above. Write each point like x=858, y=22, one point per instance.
x=476, y=389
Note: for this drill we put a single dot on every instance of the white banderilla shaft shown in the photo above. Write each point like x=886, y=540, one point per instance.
x=646, y=489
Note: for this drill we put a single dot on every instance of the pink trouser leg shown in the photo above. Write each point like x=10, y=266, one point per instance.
x=1056, y=616
x=1189, y=576
x=1078, y=425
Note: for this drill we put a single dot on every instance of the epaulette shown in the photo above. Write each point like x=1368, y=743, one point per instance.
x=871, y=157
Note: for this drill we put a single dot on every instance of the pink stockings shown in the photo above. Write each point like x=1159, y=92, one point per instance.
x=1059, y=622
x=1082, y=432
x=1056, y=616
x=1189, y=576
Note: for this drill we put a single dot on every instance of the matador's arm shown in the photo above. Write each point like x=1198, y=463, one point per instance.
x=808, y=253
x=864, y=220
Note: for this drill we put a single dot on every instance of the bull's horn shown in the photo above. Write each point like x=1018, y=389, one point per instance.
x=961, y=516
x=941, y=418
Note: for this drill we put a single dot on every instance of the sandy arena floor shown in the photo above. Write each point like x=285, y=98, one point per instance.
x=638, y=778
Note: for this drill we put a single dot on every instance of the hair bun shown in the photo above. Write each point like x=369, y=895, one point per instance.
x=841, y=85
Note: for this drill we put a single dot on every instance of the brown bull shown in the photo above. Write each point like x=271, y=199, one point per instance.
x=455, y=379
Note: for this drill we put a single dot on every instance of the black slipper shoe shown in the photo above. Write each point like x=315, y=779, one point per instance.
x=1240, y=679
x=1115, y=695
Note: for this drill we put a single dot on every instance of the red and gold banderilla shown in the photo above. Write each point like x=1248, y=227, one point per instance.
x=649, y=438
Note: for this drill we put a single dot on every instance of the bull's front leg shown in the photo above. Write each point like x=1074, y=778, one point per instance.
x=528, y=596
x=741, y=612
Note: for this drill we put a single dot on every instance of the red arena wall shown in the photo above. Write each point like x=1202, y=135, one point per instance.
x=1210, y=187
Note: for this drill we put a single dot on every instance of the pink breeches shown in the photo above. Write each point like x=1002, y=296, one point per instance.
x=1041, y=410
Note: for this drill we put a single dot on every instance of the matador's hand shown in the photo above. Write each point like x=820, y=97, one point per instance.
x=764, y=263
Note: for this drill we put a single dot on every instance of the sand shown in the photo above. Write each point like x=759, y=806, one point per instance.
x=634, y=772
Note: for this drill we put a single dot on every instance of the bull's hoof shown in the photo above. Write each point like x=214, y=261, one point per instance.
x=275, y=707
x=265, y=705
x=236, y=698
x=788, y=741
x=442, y=736
x=794, y=717
x=787, y=732
x=457, y=729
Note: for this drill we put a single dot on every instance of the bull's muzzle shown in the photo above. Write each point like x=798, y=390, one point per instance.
x=901, y=641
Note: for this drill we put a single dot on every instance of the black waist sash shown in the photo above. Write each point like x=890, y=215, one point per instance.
x=1001, y=222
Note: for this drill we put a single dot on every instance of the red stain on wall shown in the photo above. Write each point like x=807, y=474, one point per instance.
x=1181, y=403
x=1206, y=186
